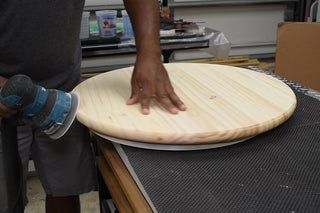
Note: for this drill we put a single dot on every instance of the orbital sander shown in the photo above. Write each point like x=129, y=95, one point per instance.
x=49, y=110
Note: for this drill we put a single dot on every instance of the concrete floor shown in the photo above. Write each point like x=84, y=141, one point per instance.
x=36, y=196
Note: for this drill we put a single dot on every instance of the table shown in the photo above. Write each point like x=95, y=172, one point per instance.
x=121, y=186
x=282, y=177
x=168, y=46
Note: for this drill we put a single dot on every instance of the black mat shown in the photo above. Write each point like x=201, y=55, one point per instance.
x=278, y=171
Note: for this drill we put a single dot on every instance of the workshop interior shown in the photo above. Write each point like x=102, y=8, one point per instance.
x=248, y=73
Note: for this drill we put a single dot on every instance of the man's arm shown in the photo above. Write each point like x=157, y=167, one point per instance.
x=150, y=79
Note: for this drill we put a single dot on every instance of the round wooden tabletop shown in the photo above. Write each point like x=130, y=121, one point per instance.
x=224, y=104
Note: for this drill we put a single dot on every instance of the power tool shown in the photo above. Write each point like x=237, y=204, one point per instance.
x=50, y=110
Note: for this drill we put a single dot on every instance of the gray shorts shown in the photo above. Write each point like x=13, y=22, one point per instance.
x=65, y=166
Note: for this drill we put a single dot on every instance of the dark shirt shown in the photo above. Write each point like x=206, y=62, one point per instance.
x=40, y=38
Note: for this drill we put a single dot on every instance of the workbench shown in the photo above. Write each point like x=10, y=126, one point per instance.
x=168, y=46
x=277, y=171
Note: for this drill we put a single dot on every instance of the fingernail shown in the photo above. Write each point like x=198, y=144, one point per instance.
x=145, y=111
x=183, y=107
x=174, y=110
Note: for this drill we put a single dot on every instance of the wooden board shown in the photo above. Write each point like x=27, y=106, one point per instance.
x=224, y=104
x=114, y=187
x=131, y=192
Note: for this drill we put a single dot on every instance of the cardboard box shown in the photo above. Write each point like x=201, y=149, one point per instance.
x=298, y=53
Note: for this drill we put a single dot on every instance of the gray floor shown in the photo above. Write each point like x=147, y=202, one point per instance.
x=36, y=196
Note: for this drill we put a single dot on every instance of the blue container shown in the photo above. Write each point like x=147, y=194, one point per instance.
x=107, y=23
x=127, y=27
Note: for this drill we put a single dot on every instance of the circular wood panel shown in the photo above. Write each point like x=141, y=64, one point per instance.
x=224, y=104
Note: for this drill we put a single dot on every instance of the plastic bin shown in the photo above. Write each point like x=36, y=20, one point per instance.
x=127, y=27
x=84, y=30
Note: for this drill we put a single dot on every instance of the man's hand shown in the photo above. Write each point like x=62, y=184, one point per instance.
x=5, y=112
x=149, y=81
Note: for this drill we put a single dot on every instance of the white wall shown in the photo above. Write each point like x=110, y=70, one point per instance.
x=251, y=29
x=108, y=60
x=102, y=2
x=318, y=16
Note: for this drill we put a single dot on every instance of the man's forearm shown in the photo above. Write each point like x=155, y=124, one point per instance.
x=150, y=79
x=144, y=15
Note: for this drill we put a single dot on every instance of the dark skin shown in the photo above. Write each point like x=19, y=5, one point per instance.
x=62, y=204
x=5, y=112
x=150, y=81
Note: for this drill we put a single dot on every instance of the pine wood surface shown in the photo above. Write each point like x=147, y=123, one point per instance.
x=224, y=104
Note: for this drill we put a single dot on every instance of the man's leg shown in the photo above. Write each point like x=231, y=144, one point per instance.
x=24, y=137
x=66, y=168
x=62, y=204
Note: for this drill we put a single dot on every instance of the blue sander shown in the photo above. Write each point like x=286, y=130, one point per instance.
x=50, y=110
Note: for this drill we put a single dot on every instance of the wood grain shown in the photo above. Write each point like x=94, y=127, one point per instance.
x=123, y=177
x=224, y=103
x=114, y=188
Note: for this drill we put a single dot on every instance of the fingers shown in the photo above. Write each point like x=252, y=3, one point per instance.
x=169, y=101
x=166, y=103
x=177, y=102
x=6, y=112
x=151, y=81
x=134, y=98
x=145, y=104
x=145, y=98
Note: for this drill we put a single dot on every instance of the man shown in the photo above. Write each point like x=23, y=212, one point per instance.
x=40, y=38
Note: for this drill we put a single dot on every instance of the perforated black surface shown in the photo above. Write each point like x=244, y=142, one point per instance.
x=278, y=171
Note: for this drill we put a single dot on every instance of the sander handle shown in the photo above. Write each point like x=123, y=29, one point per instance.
x=19, y=92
